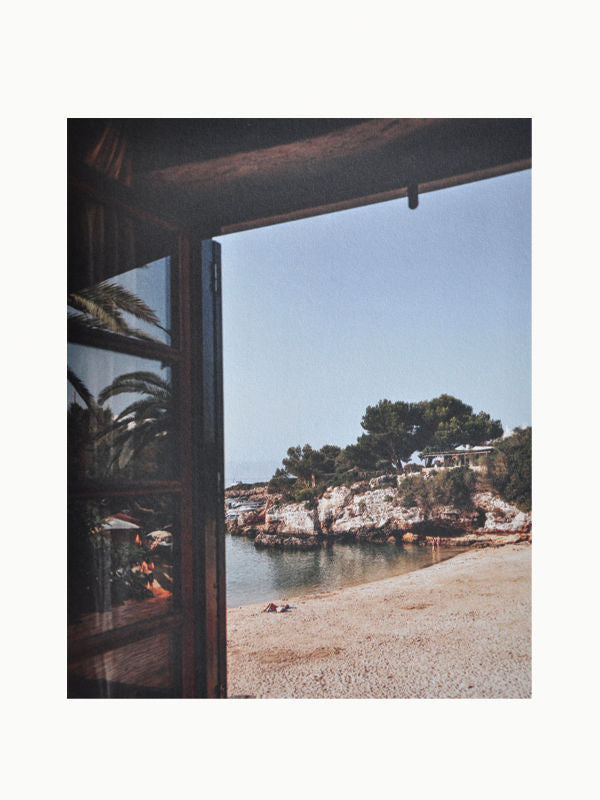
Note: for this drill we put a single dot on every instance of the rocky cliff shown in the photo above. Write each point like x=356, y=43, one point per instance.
x=372, y=512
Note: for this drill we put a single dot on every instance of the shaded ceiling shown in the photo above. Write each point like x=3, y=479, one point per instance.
x=216, y=176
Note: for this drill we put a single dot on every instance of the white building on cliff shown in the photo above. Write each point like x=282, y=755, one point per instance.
x=462, y=456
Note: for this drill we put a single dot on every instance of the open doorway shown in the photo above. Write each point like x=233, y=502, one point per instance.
x=324, y=319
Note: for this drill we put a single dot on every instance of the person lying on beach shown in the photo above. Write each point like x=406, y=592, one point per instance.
x=277, y=609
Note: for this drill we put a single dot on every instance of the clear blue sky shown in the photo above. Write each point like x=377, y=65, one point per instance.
x=322, y=317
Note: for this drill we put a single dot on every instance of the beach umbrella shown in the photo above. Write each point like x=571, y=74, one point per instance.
x=118, y=524
x=158, y=535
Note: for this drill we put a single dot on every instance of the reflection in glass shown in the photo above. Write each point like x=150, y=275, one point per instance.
x=123, y=550
x=135, y=304
x=122, y=562
x=119, y=417
x=142, y=669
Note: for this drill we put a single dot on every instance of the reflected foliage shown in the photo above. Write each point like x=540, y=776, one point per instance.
x=89, y=452
x=134, y=443
x=130, y=445
x=142, y=427
x=109, y=565
x=104, y=307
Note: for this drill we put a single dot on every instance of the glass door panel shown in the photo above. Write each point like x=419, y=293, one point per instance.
x=119, y=417
x=146, y=615
x=124, y=544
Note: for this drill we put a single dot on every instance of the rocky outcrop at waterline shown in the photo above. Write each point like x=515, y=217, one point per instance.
x=371, y=512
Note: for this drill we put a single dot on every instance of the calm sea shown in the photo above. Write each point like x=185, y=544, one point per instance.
x=257, y=576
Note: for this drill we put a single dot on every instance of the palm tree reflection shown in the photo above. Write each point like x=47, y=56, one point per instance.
x=145, y=422
x=115, y=554
x=103, y=307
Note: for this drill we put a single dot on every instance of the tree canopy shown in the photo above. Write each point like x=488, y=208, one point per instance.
x=448, y=422
x=393, y=432
x=308, y=465
x=509, y=468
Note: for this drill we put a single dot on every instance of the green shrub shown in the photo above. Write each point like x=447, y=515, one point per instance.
x=414, y=491
x=307, y=495
x=447, y=487
x=457, y=486
x=509, y=468
x=283, y=484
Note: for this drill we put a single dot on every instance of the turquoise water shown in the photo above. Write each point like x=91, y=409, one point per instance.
x=257, y=576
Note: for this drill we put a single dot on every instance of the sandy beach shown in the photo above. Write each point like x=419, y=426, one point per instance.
x=460, y=628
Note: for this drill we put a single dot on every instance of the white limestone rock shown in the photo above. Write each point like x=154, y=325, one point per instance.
x=292, y=518
x=500, y=515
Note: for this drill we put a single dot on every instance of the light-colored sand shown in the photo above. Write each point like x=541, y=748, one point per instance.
x=461, y=628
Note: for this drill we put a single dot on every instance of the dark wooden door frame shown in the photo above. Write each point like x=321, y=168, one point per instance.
x=208, y=468
x=198, y=385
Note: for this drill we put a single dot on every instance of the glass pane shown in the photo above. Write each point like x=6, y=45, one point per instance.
x=119, y=417
x=123, y=558
x=147, y=668
x=119, y=269
x=136, y=303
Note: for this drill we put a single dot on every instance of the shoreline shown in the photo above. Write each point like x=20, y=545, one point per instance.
x=438, y=555
x=459, y=628
x=443, y=553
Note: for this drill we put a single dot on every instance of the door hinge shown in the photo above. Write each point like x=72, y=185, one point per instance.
x=215, y=277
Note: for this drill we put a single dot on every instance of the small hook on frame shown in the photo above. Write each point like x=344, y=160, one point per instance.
x=413, y=195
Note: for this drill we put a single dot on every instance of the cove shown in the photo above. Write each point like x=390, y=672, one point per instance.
x=269, y=574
